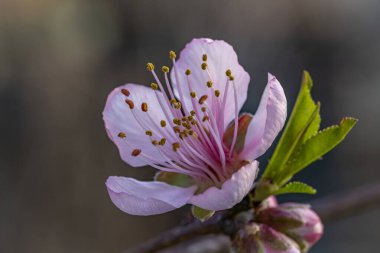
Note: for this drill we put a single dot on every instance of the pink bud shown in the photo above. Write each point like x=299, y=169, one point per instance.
x=260, y=238
x=297, y=221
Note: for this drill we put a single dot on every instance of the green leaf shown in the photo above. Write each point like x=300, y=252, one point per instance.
x=201, y=214
x=295, y=187
x=315, y=147
x=302, y=124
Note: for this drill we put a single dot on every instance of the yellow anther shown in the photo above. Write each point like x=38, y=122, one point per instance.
x=193, y=122
x=205, y=118
x=148, y=132
x=144, y=107
x=162, y=142
x=203, y=109
x=155, y=143
x=188, y=72
x=176, y=121
x=191, y=132
x=150, y=66
x=192, y=113
x=228, y=72
x=217, y=93
x=177, y=129
x=184, y=118
x=125, y=92
x=209, y=84
x=165, y=69
x=176, y=146
x=178, y=105
x=136, y=152
x=163, y=123
x=154, y=86
x=190, y=117
x=172, y=55
x=182, y=135
x=122, y=135
x=232, y=78
x=204, y=57
x=204, y=66
x=173, y=100
x=193, y=94
x=130, y=103
x=202, y=99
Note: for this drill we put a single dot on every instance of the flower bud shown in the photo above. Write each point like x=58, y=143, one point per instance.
x=260, y=238
x=297, y=221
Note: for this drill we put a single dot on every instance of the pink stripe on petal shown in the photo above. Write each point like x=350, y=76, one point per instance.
x=232, y=192
x=267, y=122
x=146, y=198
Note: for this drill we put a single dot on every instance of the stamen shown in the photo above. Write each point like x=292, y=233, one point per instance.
x=175, y=146
x=144, y=107
x=172, y=55
x=193, y=94
x=136, y=152
x=204, y=66
x=187, y=72
x=122, y=135
x=209, y=84
x=163, y=123
x=236, y=120
x=154, y=142
x=202, y=99
x=148, y=132
x=125, y=92
x=162, y=142
x=177, y=121
x=154, y=86
x=228, y=72
x=217, y=93
x=130, y=103
x=204, y=57
x=150, y=66
x=165, y=69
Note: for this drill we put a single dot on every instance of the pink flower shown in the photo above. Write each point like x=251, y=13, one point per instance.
x=192, y=133
x=297, y=221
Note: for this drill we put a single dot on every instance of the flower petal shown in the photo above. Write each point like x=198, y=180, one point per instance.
x=267, y=122
x=232, y=191
x=146, y=198
x=118, y=117
x=220, y=57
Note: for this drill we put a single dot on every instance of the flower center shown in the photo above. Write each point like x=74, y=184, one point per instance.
x=190, y=139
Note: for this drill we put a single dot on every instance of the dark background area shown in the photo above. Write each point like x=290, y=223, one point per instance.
x=60, y=59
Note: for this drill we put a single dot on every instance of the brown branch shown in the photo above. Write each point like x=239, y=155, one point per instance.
x=329, y=208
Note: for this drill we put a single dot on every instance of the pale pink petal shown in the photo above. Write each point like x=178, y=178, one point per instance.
x=232, y=191
x=267, y=122
x=118, y=118
x=146, y=198
x=220, y=57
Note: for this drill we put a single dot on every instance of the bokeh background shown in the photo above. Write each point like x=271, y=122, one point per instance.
x=60, y=59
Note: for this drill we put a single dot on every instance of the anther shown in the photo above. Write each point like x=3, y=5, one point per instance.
x=155, y=143
x=176, y=146
x=150, y=66
x=163, y=123
x=165, y=69
x=173, y=100
x=192, y=113
x=125, y=92
x=202, y=99
x=176, y=121
x=205, y=118
x=130, y=103
x=228, y=72
x=176, y=129
x=177, y=105
x=162, y=142
x=231, y=78
x=122, y=135
x=154, y=86
x=203, y=109
x=188, y=72
x=172, y=55
x=217, y=93
x=148, y=132
x=193, y=94
x=136, y=152
x=209, y=84
x=190, y=117
x=204, y=66
x=144, y=107
x=204, y=57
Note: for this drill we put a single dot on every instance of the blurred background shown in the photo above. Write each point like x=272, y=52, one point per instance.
x=60, y=59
